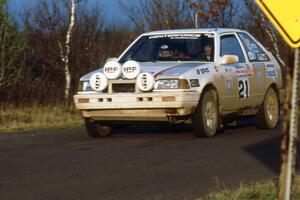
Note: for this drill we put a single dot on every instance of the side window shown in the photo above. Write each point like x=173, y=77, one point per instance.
x=230, y=46
x=254, y=52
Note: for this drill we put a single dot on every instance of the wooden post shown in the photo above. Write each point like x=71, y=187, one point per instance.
x=290, y=131
x=196, y=20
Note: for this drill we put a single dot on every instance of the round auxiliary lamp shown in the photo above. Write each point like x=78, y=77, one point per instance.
x=145, y=81
x=98, y=82
x=131, y=69
x=112, y=69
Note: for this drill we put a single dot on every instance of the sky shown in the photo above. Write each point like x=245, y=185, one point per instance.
x=110, y=8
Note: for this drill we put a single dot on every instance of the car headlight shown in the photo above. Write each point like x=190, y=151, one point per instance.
x=84, y=86
x=172, y=84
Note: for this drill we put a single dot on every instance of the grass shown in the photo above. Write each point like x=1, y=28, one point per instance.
x=37, y=118
x=253, y=191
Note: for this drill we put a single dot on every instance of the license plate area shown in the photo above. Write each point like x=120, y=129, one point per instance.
x=123, y=87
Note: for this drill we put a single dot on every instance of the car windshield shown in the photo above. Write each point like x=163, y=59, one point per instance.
x=172, y=47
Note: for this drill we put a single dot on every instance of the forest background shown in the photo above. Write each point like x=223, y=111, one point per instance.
x=32, y=42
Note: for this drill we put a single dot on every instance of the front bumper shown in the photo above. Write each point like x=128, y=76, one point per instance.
x=154, y=106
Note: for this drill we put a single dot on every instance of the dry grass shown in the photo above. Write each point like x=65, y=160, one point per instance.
x=36, y=118
x=253, y=191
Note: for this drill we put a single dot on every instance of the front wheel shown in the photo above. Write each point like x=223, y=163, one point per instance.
x=205, y=120
x=268, y=114
x=96, y=129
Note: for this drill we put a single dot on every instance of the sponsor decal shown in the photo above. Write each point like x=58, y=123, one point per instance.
x=270, y=65
x=262, y=57
x=251, y=45
x=194, y=82
x=202, y=71
x=131, y=69
x=243, y=76
x=112, y=69
x=241, y=71
x=227, y=69
x=251, y=56
x=271, y=73
x=177, y=36
x=239, y=66
x=258, y=65
x=244, y=88
x=191, y=36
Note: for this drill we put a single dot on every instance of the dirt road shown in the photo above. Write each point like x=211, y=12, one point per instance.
x=135, y=163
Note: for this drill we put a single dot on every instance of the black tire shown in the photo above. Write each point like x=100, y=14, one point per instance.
x=268, y=114
x=96, y=130
x=205, y=120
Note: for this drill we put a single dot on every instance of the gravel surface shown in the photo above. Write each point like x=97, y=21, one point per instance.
x=139, y=162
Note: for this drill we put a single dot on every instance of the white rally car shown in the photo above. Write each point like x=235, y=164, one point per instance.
x=194, y=76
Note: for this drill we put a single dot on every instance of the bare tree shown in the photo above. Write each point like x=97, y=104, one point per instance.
x=47, y=28
x=115, y=38
x=215, y=13
x=65, y=54
x=262, y=24
x=158, y=14
x=11, y=47
x=134, y=13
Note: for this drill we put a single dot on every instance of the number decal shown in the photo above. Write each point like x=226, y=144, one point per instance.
x=243, y=88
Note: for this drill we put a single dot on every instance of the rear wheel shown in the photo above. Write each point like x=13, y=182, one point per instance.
x=205, y=120
x=96, y=129
x=268, y=115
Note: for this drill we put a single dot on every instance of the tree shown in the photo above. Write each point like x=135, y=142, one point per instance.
x=46, y=27
x=158, y=14
x=262, y=24
x=11, y=46
x=215, y=13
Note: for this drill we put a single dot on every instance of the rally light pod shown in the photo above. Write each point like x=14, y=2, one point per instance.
x=145, y=82
x=112, y=69
x=98, y=82
x=131, y=69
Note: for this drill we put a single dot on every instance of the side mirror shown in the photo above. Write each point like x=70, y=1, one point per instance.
x=111, y=59
x=229, y=59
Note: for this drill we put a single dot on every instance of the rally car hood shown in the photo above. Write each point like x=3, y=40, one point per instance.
x=159, y=68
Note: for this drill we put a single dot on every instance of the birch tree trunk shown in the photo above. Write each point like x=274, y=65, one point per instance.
x=65, y=55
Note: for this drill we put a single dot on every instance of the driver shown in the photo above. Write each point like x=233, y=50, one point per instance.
x=165, y=52
x=207, y=53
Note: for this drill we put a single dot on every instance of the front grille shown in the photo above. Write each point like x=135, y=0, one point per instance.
x=123, y=87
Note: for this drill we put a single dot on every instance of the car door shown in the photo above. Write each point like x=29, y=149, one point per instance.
x=237, y=77
x=260, y=61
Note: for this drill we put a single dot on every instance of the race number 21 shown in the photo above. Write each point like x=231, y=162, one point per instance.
x=243, y=88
